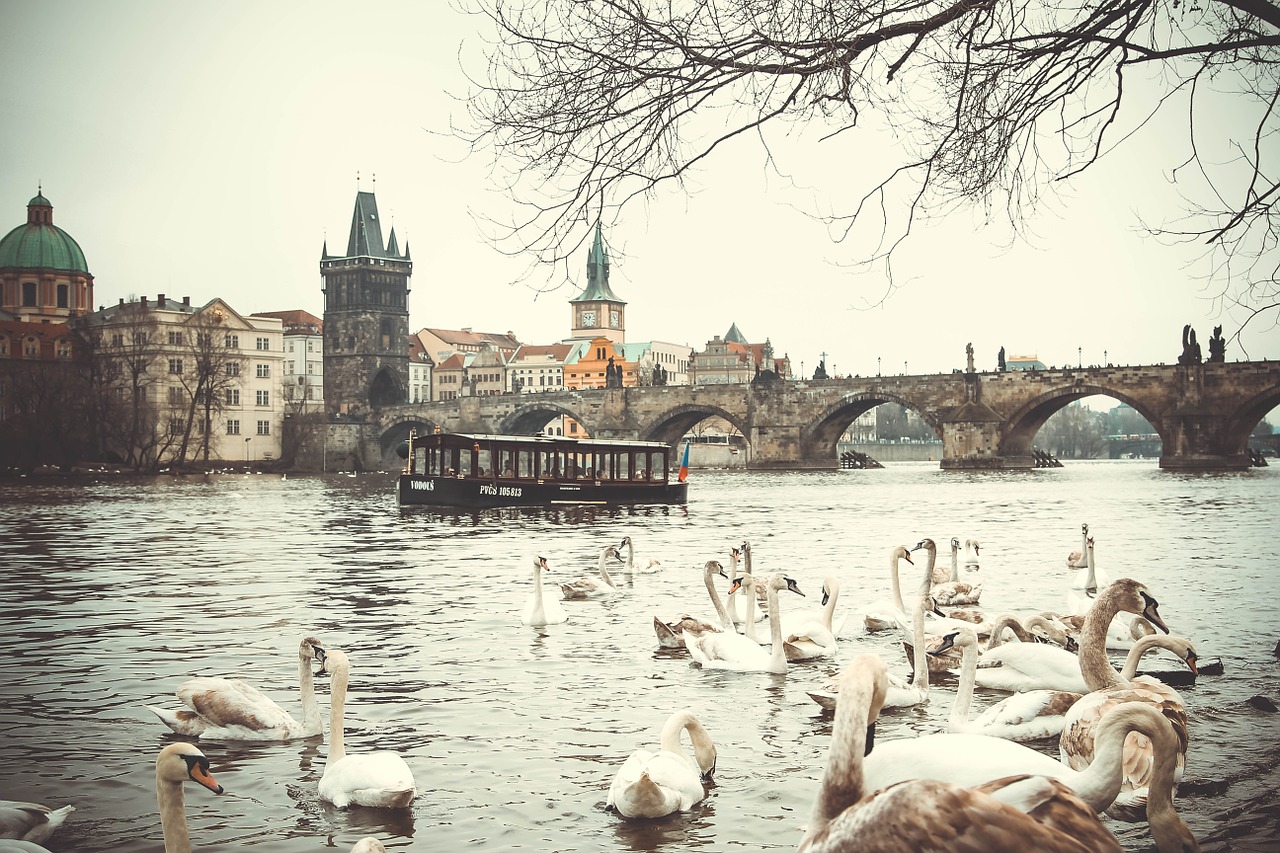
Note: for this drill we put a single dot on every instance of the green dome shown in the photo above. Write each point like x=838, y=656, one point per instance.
x=41, y=246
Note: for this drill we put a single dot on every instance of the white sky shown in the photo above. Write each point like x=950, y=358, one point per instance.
x=207, y=150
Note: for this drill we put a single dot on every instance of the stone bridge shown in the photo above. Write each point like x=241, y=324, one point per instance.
x=1202, y=413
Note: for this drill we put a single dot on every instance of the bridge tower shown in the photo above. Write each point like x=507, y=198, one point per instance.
x=597, y=312
x=366, y=317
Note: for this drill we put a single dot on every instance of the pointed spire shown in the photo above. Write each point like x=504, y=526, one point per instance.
x=393, y=248
x=324, y=250
x=406, y=250
x=734, y=336
x=597, y=273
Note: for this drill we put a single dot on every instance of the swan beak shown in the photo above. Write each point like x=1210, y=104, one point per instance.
x=791, y=585
x=948, y=641
x=710, y=772
x=198, y=770
x=826, y=596
x=1153, y=614
x=871, y=739
x=1191, y=661
x=907, y=556
x=735, y=586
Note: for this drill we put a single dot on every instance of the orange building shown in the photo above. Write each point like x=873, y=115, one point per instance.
x=591, y=367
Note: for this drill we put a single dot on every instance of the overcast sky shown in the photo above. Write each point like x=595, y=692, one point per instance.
x=207, y=150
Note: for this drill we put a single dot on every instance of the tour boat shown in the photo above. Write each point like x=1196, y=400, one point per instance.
x=465, y=470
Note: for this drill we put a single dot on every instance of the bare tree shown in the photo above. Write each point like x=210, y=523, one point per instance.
x=128, y=351
x=215, y=368
x=597, y=103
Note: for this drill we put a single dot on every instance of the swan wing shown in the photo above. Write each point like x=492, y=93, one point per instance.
x=1032, y=715
x=1053, y=805
x=230, y=703
x=962, y=759
x=30, y=821
x=375, y=779
x=724, y=650
x=1030, y=666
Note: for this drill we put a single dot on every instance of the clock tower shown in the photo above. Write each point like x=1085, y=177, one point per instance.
x=597, y=312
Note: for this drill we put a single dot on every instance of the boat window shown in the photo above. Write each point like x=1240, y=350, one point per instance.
x=600, y=462
x=622, y=460
x=658, y=466
x=546, y=463
x=524, y=463
x=484, y=462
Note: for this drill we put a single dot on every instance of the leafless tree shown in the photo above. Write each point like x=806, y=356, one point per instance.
x=215, y=369
x=598, y=102
x=127, y=353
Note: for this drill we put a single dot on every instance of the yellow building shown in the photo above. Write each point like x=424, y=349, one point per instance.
x=591, y=366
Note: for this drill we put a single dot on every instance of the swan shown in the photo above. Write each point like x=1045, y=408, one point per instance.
x=589, y=587
x=1124, y=629
x=811, y=638
x=851, y=813
x=946, y=659
x=369, y=844
x=177, y=763
x=229, y=709
x=969, y=759
x=885, y=615
x=1032, y=715
x=30, y=821
x=733, y=651
x=644, y=567
x=737, y=598
x=539, y=610
x=377, y=779
x=1018, y=667
x=971, y=548
x=953, y=591
x=1077, y=559
x=671, y=635
x=1077, y=743
x=941, y=575
x=654, y=784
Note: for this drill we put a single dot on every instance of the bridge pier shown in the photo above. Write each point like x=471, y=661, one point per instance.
x=1199, y=442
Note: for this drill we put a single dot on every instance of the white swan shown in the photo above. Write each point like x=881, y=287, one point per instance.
x=954, y=591
x=733, y=651
x=1110, y=688
x=30, y=821
x=538, y=609
x=943, y=575
x=811, y=638
x=589, y=587
x=1018, y=667
x=229, y=709
x=971, y=549
x=851, y=813
x=369, y=844
x=671, y=635
x=1125, y=629
x=178, y=763
x=968, y=759
x=885, y=615
x=644, y=567
x=377, y=779
x=654, y=784
x=738, y=597
x=1077, y=559
x=1033, y=715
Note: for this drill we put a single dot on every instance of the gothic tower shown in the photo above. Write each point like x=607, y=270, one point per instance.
x=597, y=312
x=366, y=317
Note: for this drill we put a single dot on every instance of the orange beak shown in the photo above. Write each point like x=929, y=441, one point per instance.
x=202, y=777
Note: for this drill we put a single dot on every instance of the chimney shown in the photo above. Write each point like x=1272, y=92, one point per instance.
x=160, y=300
x=186, y=301
x=121, y=300
x=142, y=300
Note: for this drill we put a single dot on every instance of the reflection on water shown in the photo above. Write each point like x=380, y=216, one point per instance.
x=117, y=590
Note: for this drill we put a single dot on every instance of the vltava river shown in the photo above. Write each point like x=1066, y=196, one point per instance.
x=116, y=590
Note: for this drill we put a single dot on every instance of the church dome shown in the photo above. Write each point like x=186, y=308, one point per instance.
x=41, y=245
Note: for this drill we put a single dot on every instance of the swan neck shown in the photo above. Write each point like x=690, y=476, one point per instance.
x=726, y=621
x=631, y=557
x=775, y=627
x=955, y=564
x=919, y=654
x=842, y=784
x=173, y=816
x=894, y=582
x=337, y=699
x=311, y=720
x=1095, y=667
x=964, y=691
x=604, y=572
x=829, y=611
x=1153, y=641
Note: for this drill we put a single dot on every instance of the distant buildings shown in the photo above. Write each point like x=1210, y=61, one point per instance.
x=731, y=359
x=1024, y=362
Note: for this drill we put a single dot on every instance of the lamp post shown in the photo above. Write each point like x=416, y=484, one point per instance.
x=904, y=368
x=1079, y=357
x=1104, y=358
x=877, y=365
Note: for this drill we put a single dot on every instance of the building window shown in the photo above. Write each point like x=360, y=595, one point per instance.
x=263, y=344
x=176, y=426
x=233, y=396
x=4, y=346
x=290, y=346
x=264, y=371
x=63, y=349
x=117, y=340
x=264, y=427
x=311, y=346
x=175, y=339
x=233, y=341
x=264, y=398
x=175, y=365
x=233, y=427
x=63, y=296
x=29, y=293
x=139, y=339
x=175, y=395
x=310, y=393
x=233, y=368
x=31, y=347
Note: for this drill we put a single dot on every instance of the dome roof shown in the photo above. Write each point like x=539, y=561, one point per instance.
x=41, y=245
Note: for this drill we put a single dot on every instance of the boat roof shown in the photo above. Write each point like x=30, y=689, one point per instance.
x=550, y=439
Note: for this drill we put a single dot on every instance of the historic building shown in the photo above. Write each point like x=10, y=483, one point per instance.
x=303, y=358
x=366, y=317
x=595, y=362
x=164, y=358
x=597, y=311
x=535, y=368
x=420, y=368
x=732, y=359
x=43, y=274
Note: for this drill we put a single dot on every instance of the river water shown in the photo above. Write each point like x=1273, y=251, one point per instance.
x=115, y=590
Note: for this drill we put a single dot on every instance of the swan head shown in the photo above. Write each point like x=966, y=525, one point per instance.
x=975, y=545
x=612, y=551
x=926, y=545
x=830, y=587
x=1084, y=528
x=179, y=762
x=1138, y=599
x=713, y=567
x=902, y=552
x=335, y=660
x=959, y=638
x=626, y=540
x=955, y=544
x=746, y=582
x=310, y=649
x=780, y=582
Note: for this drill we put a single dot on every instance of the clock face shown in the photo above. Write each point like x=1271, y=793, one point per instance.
x=613, y=319
x=588, y=318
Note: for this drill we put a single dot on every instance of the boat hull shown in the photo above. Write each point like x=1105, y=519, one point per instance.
x=427, y=490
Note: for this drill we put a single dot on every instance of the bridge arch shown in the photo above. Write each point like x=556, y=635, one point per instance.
x=819, y=440
x=396, y=432
x=1241, y=423
x=1021, y=428
x=674, y=423
x=532, y=417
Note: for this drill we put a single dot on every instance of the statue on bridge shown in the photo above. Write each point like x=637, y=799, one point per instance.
x=1217, y=347
x=821, y=372
x=968, y=354
x=1000, y=365
x=1190, y=349
x=612, y=374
